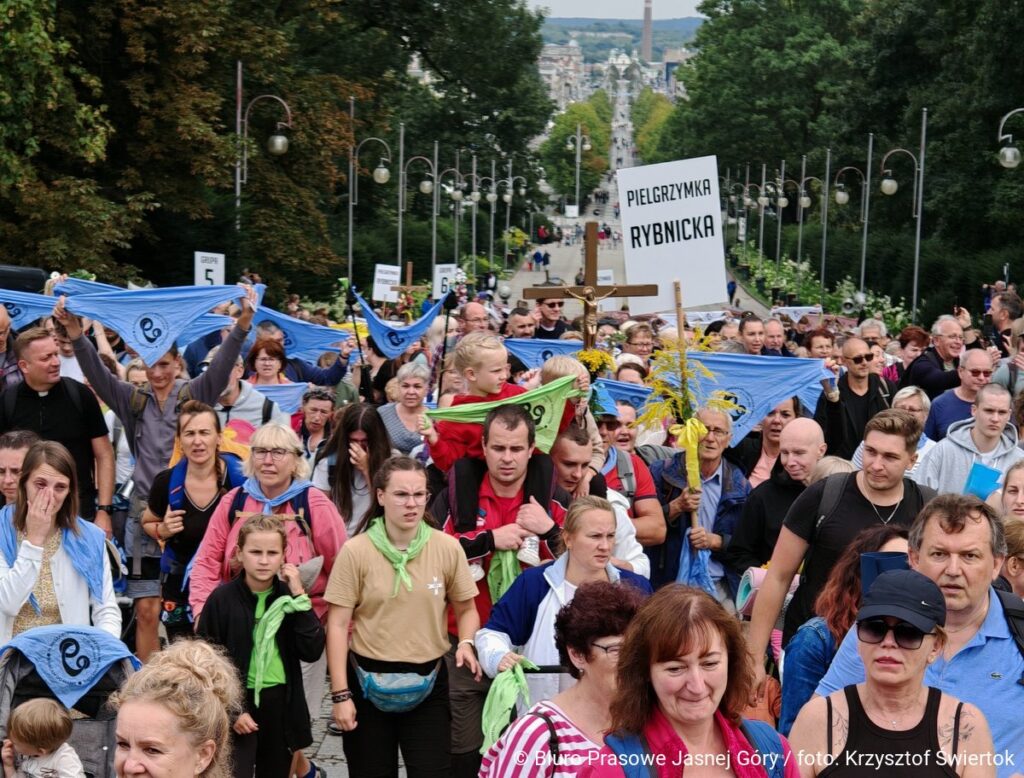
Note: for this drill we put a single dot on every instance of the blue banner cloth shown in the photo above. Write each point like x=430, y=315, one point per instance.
x=634, y=394
x=288, y=396
x=755, y=383
x=602, y=402
x=70, y=659
x=25, y=307
x=534, y=353
x=302, y=340
x=394, y=340
x=73, y=286
x=693, y=566
x=150, y=320
x=204, y=325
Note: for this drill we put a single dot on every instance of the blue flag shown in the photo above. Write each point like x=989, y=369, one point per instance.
x=392, y=340
x=301, y=338
x=71, y=286
x=634, y=394
x=601, y=401
x=288, y=396
x=755, y=383
x=204, y=325
x=534, y=352
x=150, y=320
x=25, y=307
x=693, y=566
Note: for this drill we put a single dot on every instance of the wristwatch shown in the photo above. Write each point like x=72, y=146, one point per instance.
x=105, y=508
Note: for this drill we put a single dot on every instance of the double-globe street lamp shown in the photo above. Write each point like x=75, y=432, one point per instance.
x=381, y=175
x=1009, y=155
x=804, y=202
x=510, y=184
x=843, y=197
x=580, y=143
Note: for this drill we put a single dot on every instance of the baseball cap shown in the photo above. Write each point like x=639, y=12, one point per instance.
x=906, y=595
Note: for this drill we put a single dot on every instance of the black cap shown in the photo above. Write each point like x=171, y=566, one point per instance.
x=907, y=595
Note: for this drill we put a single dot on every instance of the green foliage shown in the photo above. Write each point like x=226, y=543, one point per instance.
x=650, y=111
x=558, y=152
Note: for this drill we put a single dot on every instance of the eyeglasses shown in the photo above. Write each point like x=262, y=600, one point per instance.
x=276, y=454
x=613, y=650
x=419, y=498
x=862, y=358
x=556, y=304
x=718, y=432
x=478, y=320
x=979, y=373
x=641, y=344
x=906, y=635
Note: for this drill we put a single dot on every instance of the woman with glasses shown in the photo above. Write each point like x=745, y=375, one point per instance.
x=522, y=622
x=402, y=418
x=571, y=725
x=314, y=423
x=393, y=584
x=265, y=363
x=892, y=715
x=276, y=483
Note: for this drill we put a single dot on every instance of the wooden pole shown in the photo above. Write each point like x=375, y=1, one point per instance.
x=681, y=346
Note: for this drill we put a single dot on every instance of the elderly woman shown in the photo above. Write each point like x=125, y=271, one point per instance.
x=522, y=622
x=893, y=714
x=174, y=716
x=402, y=418
x=54, y=567
x=588, y=636
x=276, y=484
x=683, y=677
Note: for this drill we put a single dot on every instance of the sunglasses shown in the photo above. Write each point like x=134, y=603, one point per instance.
x=862, y=358
x=979, y=373
x=555, y=305
x=906, y=635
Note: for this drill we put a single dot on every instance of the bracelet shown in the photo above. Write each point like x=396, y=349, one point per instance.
x=105, y=508
x=341, y=696
x=467, y=640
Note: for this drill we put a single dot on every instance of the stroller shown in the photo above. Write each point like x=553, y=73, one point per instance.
x=78, y=666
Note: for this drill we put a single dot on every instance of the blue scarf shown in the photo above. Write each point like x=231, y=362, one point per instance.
x=150, y=320
x=71, y=659
x=73, y=286
x=302, y=340
x=534, y=353
x=288, y=396
x=85, y=551
x=391, y=340
x=204, y=325
x=634, y=394
x=252, y=488
x=25, y=307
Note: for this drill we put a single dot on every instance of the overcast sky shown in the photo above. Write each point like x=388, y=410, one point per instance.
x=616, y=9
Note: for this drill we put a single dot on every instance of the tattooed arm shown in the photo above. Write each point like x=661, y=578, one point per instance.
x=973, y=757
x=808, y=738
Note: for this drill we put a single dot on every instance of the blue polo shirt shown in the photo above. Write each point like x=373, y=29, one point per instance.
x=985, y=672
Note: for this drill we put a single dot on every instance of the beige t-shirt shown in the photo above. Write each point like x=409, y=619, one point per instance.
x=412, y=626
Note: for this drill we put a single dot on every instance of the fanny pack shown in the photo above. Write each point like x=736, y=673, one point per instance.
x=395, y=692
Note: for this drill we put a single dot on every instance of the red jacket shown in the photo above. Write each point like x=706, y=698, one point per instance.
x=457, y=439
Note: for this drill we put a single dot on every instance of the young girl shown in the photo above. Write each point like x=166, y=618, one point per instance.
x=36, y=744
x=265, y=620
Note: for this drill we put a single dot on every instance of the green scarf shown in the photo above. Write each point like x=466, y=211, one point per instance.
x=504, y=569
x=398, y=559
x=266, y=633
x=507, y=687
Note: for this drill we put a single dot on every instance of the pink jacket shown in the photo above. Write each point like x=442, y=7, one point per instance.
x=213, y=561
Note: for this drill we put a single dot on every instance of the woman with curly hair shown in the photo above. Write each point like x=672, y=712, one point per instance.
x=810, y=651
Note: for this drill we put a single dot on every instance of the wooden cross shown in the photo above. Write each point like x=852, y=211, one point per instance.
x=408, y=289
x=590, y=293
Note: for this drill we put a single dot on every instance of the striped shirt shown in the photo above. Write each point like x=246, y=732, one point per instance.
x=524, y=748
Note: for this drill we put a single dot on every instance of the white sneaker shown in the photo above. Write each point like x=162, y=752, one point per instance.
x=477, y=571
x=529, y=552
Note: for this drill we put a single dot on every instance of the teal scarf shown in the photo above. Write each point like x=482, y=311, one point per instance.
x=398, y=559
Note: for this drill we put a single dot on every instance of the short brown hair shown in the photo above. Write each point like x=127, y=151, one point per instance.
x=821, y=332
x=895, y=422
x=273, y=349
x=52, y=454
x=599, y=609
x=953, y=511
x=41, y=723
x=262, y=522
x=674, y=621
x=28, y=337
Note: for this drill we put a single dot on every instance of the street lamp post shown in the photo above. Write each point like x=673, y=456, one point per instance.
x=580, y=143
x=381, y=175
x=428, y=186
x=889, y=186
x=1009, y=155
x=507, y=197
x=843, y=197
x=277, y=144
x=781, y=201
x=456, y=197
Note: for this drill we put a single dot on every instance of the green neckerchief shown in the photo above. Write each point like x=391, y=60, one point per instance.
x=398, y=559
x=266, y=633
x=504, y=569
x=507, y=687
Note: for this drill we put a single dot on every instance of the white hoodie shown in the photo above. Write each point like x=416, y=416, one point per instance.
x=946, y=466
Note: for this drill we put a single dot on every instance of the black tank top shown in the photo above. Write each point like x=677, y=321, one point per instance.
x=873, y=751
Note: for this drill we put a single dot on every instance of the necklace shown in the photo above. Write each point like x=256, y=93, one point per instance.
x=888, y=518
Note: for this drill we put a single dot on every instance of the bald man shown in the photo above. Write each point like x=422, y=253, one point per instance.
x=860, y=395
x=10, y=375
x=801, y=445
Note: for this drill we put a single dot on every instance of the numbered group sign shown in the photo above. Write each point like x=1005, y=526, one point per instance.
x=444, y=277
x=209, y=269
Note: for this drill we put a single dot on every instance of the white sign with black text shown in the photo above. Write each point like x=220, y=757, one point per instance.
x=672, y=228
x=444, y=277
x=385, y=277
x=209, y=269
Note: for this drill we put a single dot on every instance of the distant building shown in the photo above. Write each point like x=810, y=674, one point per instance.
x=673, y=58
x=647, y=40
x=561, y=68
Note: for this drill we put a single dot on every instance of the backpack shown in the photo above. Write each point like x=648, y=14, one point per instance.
x=635, y=757
x=137, y=404
x=300, y=503
x=624, y=467
x=651, y=453
x=1013, y=609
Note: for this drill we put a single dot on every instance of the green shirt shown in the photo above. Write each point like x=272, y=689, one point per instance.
x=275, y=670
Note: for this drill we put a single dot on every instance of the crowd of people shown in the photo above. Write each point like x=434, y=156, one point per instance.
x=862, y=556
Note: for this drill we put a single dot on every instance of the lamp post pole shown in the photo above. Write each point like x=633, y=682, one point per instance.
x=762, y=201
x=401, y=190
x=780, y=203
x=824, y=221
x=428, y=186
x=381, y=175
x=800, y=210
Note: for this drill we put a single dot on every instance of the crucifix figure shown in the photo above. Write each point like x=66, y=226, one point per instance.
x=405, y=292
x=590, y=293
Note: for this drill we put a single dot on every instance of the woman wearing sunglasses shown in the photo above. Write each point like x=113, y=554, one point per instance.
x=892, y=720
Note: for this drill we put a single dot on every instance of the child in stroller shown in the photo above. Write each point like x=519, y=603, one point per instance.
x=37, y=735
